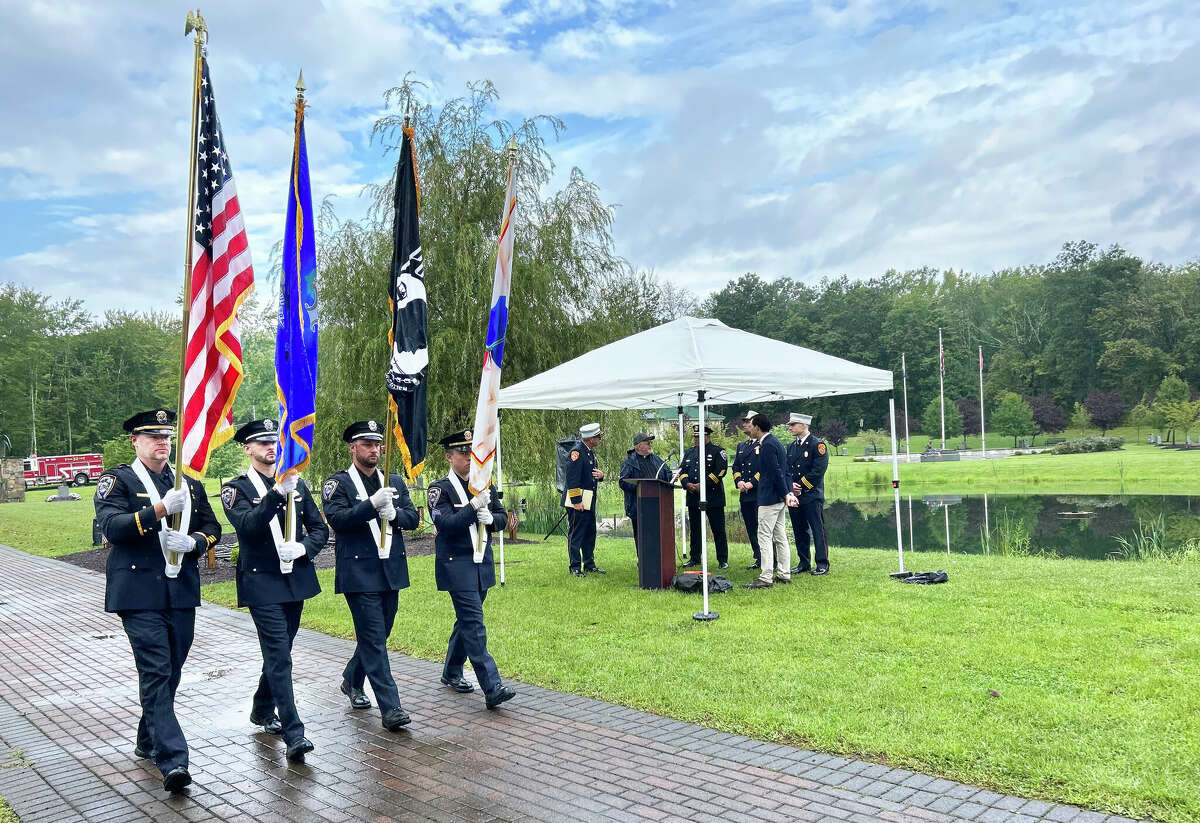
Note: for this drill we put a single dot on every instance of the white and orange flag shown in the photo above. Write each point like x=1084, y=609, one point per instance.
x=487, y=417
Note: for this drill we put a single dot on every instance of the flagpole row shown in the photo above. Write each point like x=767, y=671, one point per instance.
x=195, y=22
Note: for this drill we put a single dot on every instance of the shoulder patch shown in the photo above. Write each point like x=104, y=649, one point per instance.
x=228, y=495
x=820, y=448
x=724, y=456
x=575, y=455
x=329, y=488
x=105, y=486
x=434, y=495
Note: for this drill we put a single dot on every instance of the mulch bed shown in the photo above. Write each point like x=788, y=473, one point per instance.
x=226, y=570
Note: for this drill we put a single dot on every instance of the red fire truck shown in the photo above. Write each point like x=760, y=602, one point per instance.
x=77, y=469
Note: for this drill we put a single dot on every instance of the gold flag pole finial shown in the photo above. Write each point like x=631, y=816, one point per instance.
x=195, y=23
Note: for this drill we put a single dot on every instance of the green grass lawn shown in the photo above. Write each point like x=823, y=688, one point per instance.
x=7, y=815
x=1095, y=663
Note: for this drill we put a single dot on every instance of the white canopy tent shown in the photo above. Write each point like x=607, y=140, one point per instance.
x=667, y=365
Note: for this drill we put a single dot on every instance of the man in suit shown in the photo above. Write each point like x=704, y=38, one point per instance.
x=583, y=475
x=773, y=493
x=745, y=479
x=360, y=508
x=275, y=574
x=711, y=471
x=463, y=568
x=808, y=459
x=640, y=462
x=151, y=578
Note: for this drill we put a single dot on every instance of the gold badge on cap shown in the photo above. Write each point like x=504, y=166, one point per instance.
x=467, y=434
x=160, y=416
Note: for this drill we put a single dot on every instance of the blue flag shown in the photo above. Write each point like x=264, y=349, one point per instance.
x=296, y=338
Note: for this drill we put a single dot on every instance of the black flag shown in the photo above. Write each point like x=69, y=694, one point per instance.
x=408, y=366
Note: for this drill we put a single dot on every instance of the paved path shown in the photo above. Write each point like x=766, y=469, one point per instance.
x=68, y=712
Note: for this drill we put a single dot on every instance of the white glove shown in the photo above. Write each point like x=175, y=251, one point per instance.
x=287, y=485
x=481, y=500
x=388, y=513
x=484, y=516
x=382, y=498
x=291, y=550
x=174, y=499
x=179, y=542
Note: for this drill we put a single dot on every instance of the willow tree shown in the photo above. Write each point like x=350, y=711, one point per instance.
x=570, y=291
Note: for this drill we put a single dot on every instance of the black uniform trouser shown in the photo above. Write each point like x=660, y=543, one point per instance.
x=716, y=522
x=277, y=625
x=468, y=641
x=373, y=614
x=808, y=519
x=749, y=503
x=161, y=640
x=581, y=538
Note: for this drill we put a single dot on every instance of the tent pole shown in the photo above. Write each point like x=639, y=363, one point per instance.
x=500, y=494
x=946, y=509
x=896, y=487
x=702, y=462
x=987, y=529
x=682, y=506
x=907, y=440
x=910, y=539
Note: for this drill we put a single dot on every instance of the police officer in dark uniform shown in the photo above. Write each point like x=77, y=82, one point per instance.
x=359, y=507
x=155, y=599
x=583, y=475
x=274, y=575
x=716, y=464
x=463, y=568
x=745, y=480
x=808, y=458
x=640, y=462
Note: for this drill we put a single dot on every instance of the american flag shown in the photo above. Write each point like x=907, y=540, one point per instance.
x=222, y=278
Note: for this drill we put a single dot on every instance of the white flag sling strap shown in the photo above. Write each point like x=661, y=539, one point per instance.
x=185, y=518
x=477, y=545
x=285, y=566
x=374, y=522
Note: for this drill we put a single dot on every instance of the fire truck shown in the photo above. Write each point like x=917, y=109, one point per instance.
x=77, y=469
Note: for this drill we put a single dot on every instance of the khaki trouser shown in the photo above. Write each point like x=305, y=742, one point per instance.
x=774, y=549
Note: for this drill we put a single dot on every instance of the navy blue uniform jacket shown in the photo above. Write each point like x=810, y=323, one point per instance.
x=136, y=571
x=773, y=485
x=636, y=466
x=259, y=581
x=745, y=467
x=454, y=566
x=807, y=461
x=717, y=463
x=358, y=567
x=579, y=475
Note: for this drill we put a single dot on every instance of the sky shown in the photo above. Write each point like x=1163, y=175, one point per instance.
x=801, y=139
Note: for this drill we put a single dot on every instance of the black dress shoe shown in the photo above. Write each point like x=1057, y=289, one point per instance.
x=800, y=569
x=297, y=750
x=144, y=754
x=758, y=583
x=270, y=725
x=754, y=566
x=578, y=573
x=819, y=570
x=689, y=565
x=594, y=570
x=499, y=695
x=458, y=684
x=177, y=779
x=358, y=700
x=722, y=565
x=396, y=719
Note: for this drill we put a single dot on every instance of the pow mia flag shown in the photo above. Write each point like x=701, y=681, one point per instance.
x=409, y=363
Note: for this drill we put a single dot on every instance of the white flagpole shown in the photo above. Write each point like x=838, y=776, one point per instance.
x=896, y=482
x=702, y=461
x=500, y=491
x=982, y=427
x=682, y=504
x=946, y=509
x=910, y=530
x=941, y=385
x=907, y=441
x=987, y=528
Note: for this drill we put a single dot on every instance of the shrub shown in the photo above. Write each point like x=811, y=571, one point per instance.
x=1084, y=445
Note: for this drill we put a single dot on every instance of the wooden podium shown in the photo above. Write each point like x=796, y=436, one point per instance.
x=655, y=533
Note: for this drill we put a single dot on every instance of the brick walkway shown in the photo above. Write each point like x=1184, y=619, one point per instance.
x=68, y=711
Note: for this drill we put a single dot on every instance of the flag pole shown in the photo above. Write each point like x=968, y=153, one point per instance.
x=982, y=427
x=907, y=442
x=194, y=23
x=290, y=515
x=500, y=493
x=941, y=385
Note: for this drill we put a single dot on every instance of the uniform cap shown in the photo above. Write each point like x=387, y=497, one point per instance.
x=797, y=417
x=589, y=430
x=155, y=421
x=696, y=429
x=363, y=430
x=642, y=437
x=459, y=441
x=750, y=414
x=265, y=429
